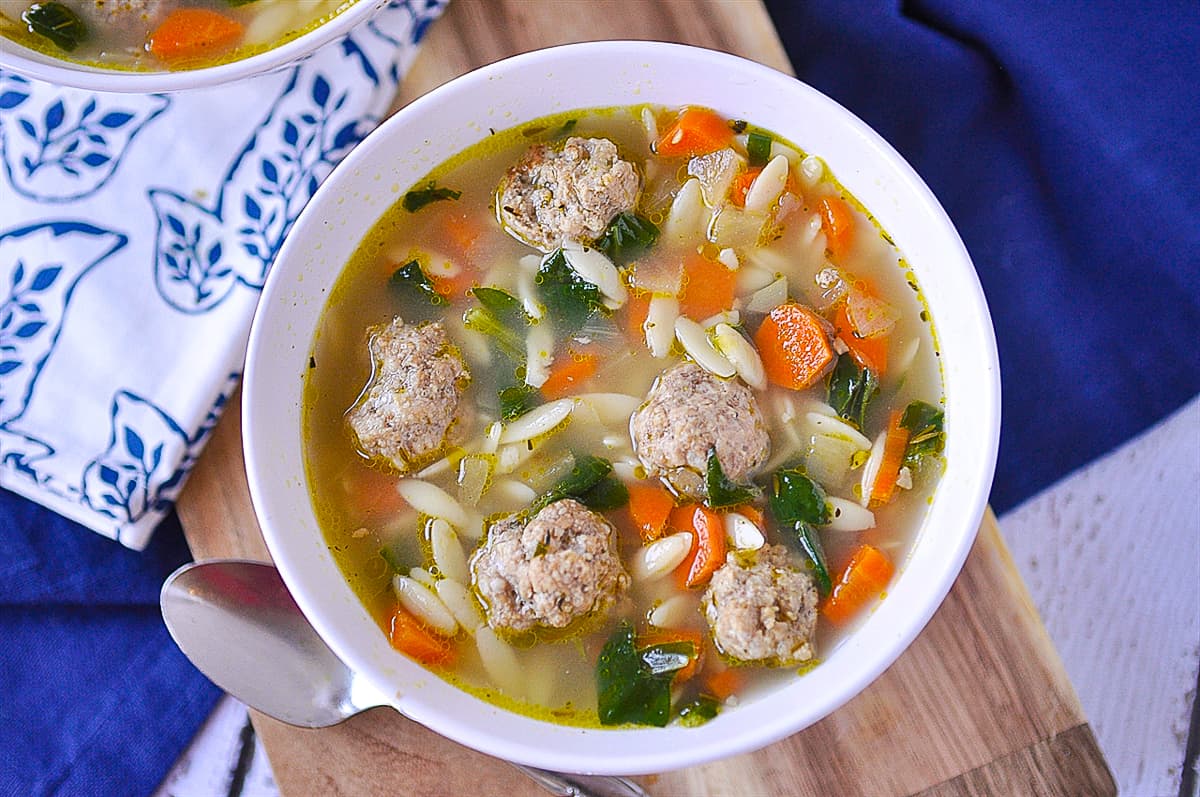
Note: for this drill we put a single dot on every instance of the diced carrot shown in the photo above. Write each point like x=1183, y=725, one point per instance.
x=724, y=683
x=708, y=287
x=894, y=446
x=372, y=491
x=636, y=309
x=741, y=186
x=650, y=505
x=837, y=221
x=868, y=352
x=708, y=544
x=568, y=372
x=668, y=635
x=794, y=345
x=462, y=230
x=409, y=636
x=192, y=34
x=864, y=578
x=697, y=131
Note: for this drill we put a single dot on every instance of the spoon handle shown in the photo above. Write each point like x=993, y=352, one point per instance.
x=562, y=784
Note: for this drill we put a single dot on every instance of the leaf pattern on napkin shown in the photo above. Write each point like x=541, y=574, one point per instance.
x=65, y=146
x=35, y=293
x=204, y=252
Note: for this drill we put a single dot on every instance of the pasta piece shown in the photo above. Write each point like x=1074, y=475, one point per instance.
x=593, y=266
x=848, y=516
x=611, y=408
x=768, y=298
x=500, y=661
x=767, y=187
x=695, y=342
x=661, y=556
x=660, y=325
x=687, y=220
x=741, y=353
x=538, y=422
x=539, y=354
x=674, y=612
x=448, y=552
x=742, y=533
x=429, y=499
x=461, y=604
x=424, y=604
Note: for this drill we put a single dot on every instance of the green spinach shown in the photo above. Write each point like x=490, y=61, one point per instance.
x=420, y=197
x=634, y=686
x=721, y=491
x=569, y=299
x=851, y=389
x=57, y=23
x=926, y=432
x=627, y=236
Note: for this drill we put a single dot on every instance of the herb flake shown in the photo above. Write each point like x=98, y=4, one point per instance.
x=420, y=197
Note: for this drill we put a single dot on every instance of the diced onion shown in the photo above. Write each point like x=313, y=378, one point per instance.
x=743, y=533
x=767, y=299
x=871, y=468
x=473, y=474
x=729, y=259
x=811, y=170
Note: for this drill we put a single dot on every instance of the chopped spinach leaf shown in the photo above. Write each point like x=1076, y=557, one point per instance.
x=503, y=305
x=608, y=493
x=926, y=432
x=416, y=293
x=588, y=472
x=699, y=711
x=565, y=129
x=506, y=339
x=627, y=236
x=420, y=197
x=569, y=299
x=721, y=491
x=57, y=23
x=393, y=560
x=517, y=400
x=237, y=3
x=795, y=498
x=809, y=541
x=627, y=691
x=758, y=149
x=851, y=389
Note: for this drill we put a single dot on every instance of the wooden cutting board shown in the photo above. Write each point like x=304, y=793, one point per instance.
x=979, y=704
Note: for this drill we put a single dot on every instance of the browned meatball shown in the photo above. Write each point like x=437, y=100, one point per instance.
x=762, y=609
x=407, y=408
x=558, y=567
x=568, y=194
x=690, y=413
x=141, y=16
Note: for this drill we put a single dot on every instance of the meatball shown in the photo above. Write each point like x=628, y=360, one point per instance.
x=412, y=399
x=126, y=15
x=764, y=611
x=690, y=413
x=555, y=195
x=558, y=567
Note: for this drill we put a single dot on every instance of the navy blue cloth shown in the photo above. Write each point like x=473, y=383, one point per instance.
x=1062, y=140
x=95, y=699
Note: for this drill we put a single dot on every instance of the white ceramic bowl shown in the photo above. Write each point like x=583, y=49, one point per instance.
x=61, y=72
x=509, y=93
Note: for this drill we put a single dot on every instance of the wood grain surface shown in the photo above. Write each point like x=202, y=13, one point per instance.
x=979, y=704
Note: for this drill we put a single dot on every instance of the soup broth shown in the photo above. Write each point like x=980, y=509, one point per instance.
x=732, y=269
x=153, y=35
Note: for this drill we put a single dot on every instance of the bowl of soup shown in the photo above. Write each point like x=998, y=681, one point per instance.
x=621, y=406
x=166, y=45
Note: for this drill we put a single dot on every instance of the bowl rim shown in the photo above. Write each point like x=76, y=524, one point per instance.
x=679, y=748
x=36, y=65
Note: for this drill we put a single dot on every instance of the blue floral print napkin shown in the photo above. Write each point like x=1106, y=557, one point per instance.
x=135, y=235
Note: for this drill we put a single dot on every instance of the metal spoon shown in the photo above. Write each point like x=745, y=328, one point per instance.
x=229, y=616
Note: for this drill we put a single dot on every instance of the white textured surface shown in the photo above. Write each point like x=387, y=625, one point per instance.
x=1111, y=556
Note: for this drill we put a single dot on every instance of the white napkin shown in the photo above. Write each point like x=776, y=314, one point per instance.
x=135, y=235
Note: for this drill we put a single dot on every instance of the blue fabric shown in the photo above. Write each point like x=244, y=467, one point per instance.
x=1062, y=140
x=96, y=698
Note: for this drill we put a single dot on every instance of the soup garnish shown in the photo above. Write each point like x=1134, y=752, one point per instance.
x=623, y=416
